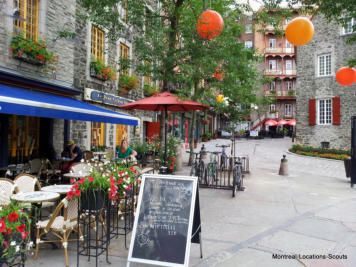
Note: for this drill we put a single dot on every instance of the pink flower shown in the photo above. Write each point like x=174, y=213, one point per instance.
x=23, y=235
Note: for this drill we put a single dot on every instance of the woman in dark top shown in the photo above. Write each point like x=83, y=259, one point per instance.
x=71, y=151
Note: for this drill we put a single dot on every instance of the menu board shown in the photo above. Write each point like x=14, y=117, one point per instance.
x=163, y=224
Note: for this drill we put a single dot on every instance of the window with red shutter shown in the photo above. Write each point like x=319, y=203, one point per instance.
x=336, y=110
x=312, y=111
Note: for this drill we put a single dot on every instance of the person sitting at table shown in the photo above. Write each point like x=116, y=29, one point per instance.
x=73, y=152
x=125, y=151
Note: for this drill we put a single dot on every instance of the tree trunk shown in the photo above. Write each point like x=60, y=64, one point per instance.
x=162, y=121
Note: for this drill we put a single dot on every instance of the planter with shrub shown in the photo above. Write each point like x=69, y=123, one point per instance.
x=320, y=152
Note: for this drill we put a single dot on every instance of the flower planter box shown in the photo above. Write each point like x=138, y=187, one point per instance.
x=95, y=75
x=29, y=60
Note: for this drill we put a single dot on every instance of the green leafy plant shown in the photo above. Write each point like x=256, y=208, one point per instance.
x=127, y=83
x=273, y=92
x=33, y=52
x=291, y=92
x=207, y=135
x=114, y=178
x=153, y=144
x=172, y=146
x=100, y=70
x=151, y=89
x=14, y=230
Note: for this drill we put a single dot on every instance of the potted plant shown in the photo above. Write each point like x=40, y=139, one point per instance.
x=240, y=133
x=206, y=137
x=273, y=92
x=14, y=234
x=100, y=71
x=33, y=52
x=291, y=92
x=172, y=145
x=151, y=90
x=112, y=181
x=127, y=83
x=141, y=148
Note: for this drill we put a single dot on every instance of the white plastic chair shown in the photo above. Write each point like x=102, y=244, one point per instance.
x=81, y=167
x=7, y=188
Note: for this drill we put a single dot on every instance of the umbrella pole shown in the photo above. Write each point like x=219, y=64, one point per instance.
x=165, y=135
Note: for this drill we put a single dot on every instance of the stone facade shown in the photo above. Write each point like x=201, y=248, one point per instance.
x=327, y=40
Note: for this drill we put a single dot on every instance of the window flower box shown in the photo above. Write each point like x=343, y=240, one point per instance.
x=32, y=52
x=151, y=90
x=102, y=72
x=127, y=83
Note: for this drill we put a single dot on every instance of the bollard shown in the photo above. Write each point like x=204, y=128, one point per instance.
x=283, y=169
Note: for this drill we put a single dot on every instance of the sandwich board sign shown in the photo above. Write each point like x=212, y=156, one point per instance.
x=162, y=230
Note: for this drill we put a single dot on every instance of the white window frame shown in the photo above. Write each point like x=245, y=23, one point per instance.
x=324, y=65
x=272, y=86
x=289, y=63
x=349, y=29
x=288, y=44
x=248, y=44
x=286, y=21
x=288, y=110
x=272, y=107
x=248, y=28
x=272, y=65
x=272, y=43
x=324, y=111
x=289, y=85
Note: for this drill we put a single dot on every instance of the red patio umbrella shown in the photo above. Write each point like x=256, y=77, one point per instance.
x=163, y=102
x=271, y=123
x=292, y=122
x=281, y=122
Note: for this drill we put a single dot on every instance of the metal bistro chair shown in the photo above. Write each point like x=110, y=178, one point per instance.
x=7, y=188
x=60, y=226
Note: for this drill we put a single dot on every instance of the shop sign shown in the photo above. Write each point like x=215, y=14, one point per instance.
x=101, y=97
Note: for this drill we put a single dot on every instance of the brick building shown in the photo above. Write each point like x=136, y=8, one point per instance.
x=324, y=107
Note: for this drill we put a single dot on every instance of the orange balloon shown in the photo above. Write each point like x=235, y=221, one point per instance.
x=346, y=76
x=299, y=31
x=219, y=98
x=210, y=24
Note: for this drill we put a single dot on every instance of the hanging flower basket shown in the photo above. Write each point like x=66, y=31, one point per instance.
x=92, y=200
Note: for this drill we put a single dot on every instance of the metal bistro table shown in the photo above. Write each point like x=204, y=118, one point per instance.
x=35, y=198
x=76, y=175
x=60, y=189
x=99, y=154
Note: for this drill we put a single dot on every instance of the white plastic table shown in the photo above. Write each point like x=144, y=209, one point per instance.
x=60, y=188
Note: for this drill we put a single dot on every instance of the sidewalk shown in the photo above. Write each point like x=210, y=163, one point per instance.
x=311, y=212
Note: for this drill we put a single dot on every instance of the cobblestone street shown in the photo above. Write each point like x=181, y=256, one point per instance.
x=310, y=212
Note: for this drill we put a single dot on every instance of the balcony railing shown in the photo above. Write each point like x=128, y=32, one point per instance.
x=280, y=72
x=271, y=93
x=272, y=115
x=279, y=50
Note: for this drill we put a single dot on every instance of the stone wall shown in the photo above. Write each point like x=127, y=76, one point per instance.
x=327, y=39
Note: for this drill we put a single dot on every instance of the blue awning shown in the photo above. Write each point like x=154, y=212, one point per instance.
x=14, y=100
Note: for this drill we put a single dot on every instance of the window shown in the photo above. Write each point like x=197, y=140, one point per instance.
x=348, y=28
x=324, y=111
x=287, y=110
x=324, y=65
x=289, y=85
x=121, y=133
x=272, y=107
x=97, y=42
x=123, y=12
x=289, y=64
x=272, y=43
x=28, y=11
x=288, y=44
x=124, y=54
x=97, y=134
x=248, y=44
x=248, y=28
x=249, y=17
x=272, y=86
x=272, y=64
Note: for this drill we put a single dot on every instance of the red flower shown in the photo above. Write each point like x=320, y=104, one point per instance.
x=13, y=216
x=91, y=179
x=8, y=231
x=2, y=226
x=171, y=168
x=81, y=181
x=77, y=193
x=20, y=228
x=23, y=235
x=70, y=194
x=72, y=181
x=6, y=244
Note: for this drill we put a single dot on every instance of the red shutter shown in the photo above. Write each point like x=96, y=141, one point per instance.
x=312, y=111
x=336, y=110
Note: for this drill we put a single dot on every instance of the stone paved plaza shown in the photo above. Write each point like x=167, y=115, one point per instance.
x=310, y=212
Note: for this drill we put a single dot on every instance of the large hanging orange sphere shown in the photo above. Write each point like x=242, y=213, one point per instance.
x=219, y=98
x=300, y=31
x=346, y=76
x=210, y=24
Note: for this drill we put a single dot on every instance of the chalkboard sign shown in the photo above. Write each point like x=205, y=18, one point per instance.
x=163, y=224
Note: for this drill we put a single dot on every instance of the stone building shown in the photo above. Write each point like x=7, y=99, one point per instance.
x=324, y=107
x=50, y=98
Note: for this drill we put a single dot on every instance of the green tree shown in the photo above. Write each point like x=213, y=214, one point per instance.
x=165, y=36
